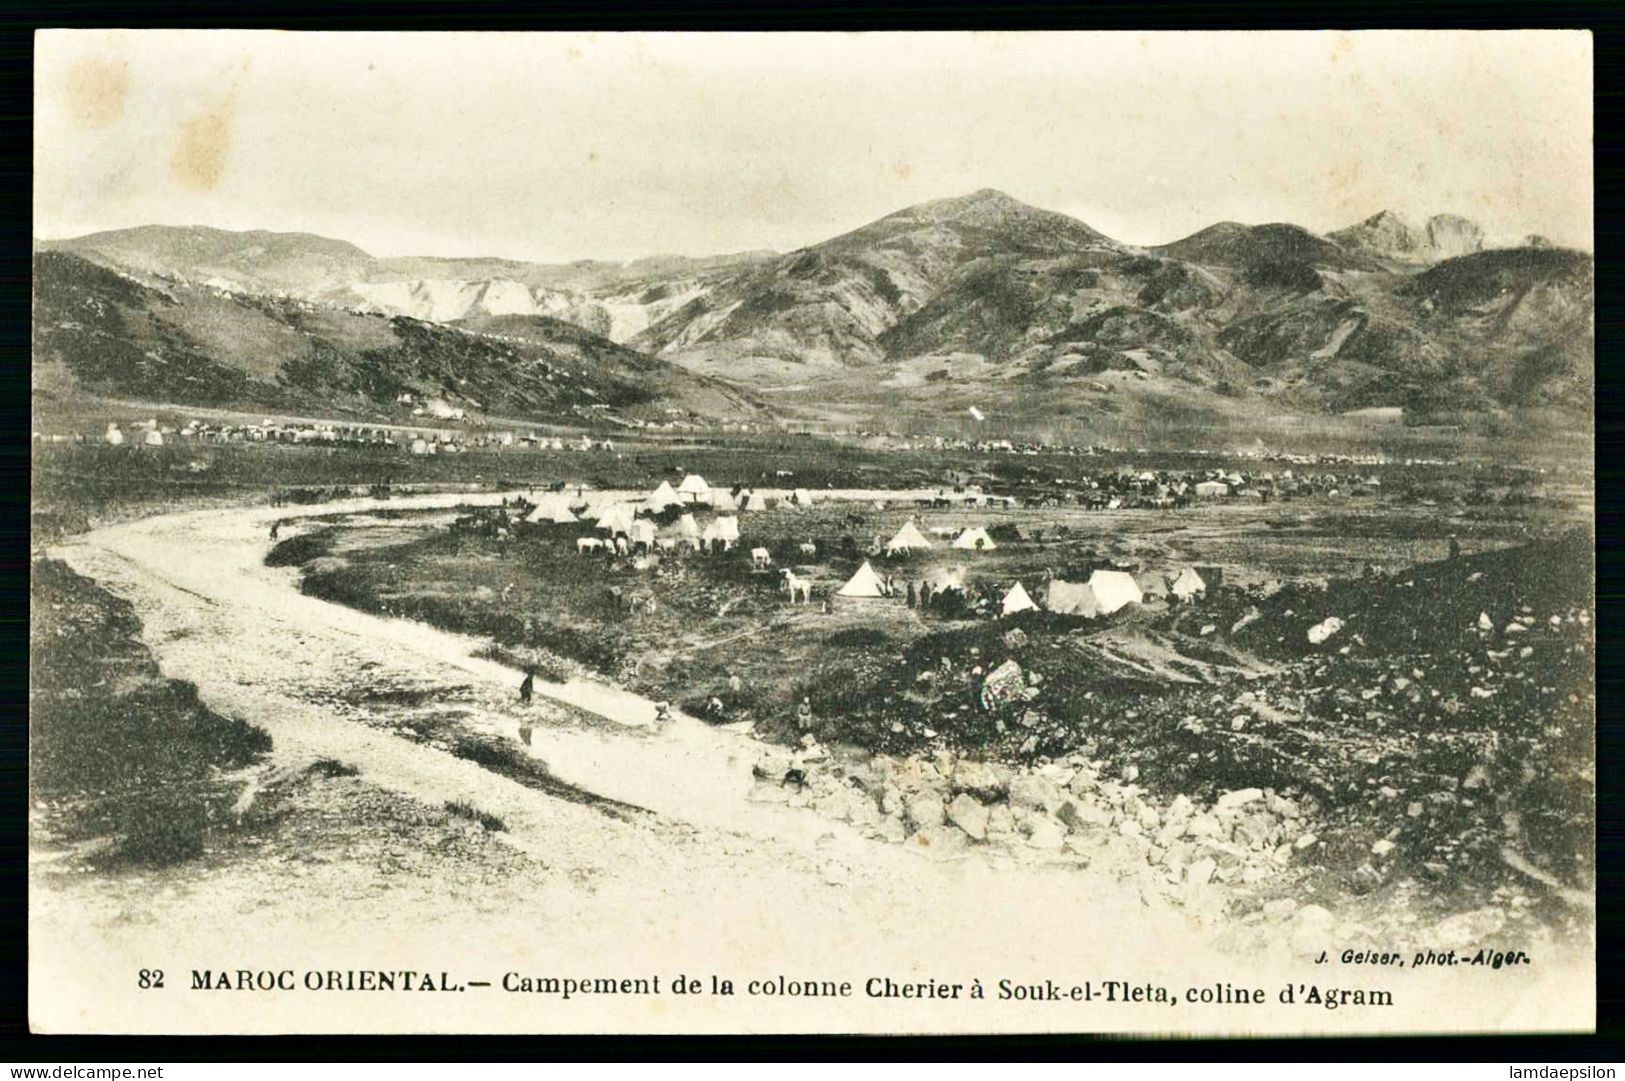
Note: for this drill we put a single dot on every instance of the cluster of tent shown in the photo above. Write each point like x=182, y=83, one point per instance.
x=910, y=539
x=1104, y=593
x=623, y=519
x=562, y=509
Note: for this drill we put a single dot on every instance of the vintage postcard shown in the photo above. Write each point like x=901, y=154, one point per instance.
x=834, y=533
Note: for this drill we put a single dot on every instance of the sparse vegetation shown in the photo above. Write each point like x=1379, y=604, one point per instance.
x=125, y=764
x=485, y=820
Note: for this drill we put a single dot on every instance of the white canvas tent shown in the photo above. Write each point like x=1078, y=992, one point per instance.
x=1212, y=489
x=865, y=583
x=552, y=508
x=722, y=502
x=616, y=519
x=688, y=528
x=1017, y=600
x=755, y=502
x=643, y=533
x=1152, y=583
x=1071, y=598
x=1114, y=589
x=975, y=539
x=725, y=530
x=694, y=489
x=1188, y=584
x=908, y=539
x=661, y=498
x=802, y=498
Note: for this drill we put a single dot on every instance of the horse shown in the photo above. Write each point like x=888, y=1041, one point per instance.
x=588, y=544
x=793, y=585
x=809, y=549
x=760, y=557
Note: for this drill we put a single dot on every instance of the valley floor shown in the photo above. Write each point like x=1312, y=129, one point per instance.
x=681, y=874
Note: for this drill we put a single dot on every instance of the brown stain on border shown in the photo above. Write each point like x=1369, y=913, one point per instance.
x=199, y=158
x=95, y=91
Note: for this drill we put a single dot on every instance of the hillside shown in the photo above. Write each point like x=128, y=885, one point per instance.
x=259, y=261
x=830, y=304
x=99, y=331
x=999, y=301
x=1261, y=248
x=1387, y=236
x=613, y=299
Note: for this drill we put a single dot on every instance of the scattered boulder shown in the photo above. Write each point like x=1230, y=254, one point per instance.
x=1028, y=790
x=1238, y=798
x=970, y=815
x=987, y=783
x=1324, y=630
x=925, y=810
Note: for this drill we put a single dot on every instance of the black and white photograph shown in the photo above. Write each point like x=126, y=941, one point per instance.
x=828, y=533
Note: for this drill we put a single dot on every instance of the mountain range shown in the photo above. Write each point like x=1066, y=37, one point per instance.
x=980, y=297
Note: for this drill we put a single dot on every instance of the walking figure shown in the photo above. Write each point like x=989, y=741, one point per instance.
x=276, y=527
x=528, y=686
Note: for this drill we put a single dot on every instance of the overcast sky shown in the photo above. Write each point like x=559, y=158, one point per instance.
x=558, y=147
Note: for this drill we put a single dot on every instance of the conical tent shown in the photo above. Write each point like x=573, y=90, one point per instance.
x=725, y=530
x=1188, y=584
x=1114, y=589
x=1152, y=583
x=617, y=519
x=688, y=527
x=661, y=498
x=908, y=539
x=865, y=583
x=722, y=502
x=693, y=489
x=643, y=533
x=1017, y=600
x=975, y=539
x=802, y=497
x=756, y=502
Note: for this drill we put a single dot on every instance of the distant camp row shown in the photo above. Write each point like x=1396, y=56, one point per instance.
x=1104, y=593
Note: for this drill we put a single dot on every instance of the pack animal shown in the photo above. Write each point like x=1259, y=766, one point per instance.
x=794, y=585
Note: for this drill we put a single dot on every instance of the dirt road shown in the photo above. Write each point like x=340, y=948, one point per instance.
x=706, y=884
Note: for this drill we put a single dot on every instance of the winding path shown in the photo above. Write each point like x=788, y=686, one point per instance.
x=708, y=882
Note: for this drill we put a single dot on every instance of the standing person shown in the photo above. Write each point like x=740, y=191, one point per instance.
x=528, y=686
x=1455, y=547
x=913, y=596
x=276, y=527
x=804, y=714
x=735, y=684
